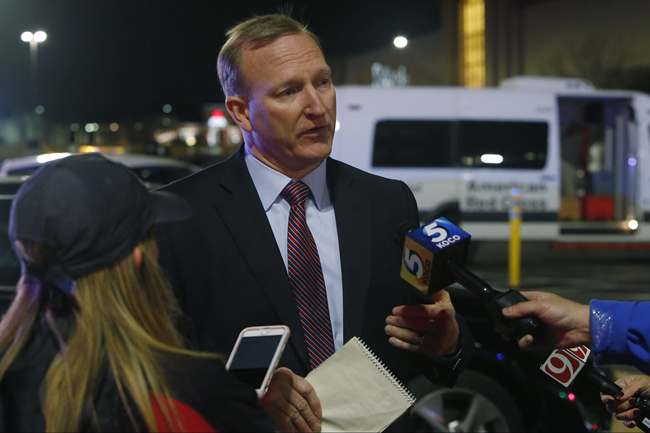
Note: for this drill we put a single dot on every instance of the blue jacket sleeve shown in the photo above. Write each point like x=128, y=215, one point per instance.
x=620, y=332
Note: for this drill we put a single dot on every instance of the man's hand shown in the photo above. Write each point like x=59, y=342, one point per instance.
x=623, y=404
x=429, y=329
x=568, y=320
x=292, y=403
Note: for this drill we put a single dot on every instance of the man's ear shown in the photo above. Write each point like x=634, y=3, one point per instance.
x=137, y=256
x=240, y=112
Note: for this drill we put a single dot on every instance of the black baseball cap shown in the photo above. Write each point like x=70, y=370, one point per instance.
x=90, y=211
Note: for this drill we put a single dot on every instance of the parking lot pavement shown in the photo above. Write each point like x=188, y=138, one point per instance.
x=580, y=275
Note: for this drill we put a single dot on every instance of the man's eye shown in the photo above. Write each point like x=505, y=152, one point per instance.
x=324, y=81
x=288, y=92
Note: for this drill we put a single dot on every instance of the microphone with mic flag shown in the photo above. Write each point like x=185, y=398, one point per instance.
x=434, y=258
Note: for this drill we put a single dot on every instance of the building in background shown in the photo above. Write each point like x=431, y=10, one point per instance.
x=478, y=43
x=481, y=42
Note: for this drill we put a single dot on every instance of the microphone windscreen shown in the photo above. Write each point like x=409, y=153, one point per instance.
x=401, y=230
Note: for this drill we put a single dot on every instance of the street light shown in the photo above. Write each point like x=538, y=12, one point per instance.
x=37, y=37
x=34, y=39
x=400, y=42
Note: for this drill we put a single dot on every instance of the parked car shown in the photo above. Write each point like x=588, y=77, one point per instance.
x=9, y=264
x=503, y=388
x=153, y=170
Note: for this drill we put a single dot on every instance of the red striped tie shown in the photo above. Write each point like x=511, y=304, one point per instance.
x=306, y=277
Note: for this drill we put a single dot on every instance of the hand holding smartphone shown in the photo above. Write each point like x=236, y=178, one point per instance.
x=256, y=355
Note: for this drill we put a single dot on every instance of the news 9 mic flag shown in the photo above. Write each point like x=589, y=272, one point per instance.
x=426, y=249
x=563, y=365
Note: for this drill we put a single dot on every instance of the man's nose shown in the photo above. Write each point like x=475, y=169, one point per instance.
x=314, y=104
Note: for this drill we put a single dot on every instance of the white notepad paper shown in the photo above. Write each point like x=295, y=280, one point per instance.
x=357, y=392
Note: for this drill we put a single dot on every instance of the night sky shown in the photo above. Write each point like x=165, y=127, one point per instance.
x=110, y=60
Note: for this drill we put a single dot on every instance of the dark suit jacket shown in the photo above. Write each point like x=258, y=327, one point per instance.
x=228, y=273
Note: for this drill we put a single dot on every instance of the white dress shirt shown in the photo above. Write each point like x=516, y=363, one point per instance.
x=320, y=219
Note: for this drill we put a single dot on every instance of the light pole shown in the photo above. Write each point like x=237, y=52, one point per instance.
x=34, y=39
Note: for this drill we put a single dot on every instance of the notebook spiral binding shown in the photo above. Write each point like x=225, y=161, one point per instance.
x=385, y=371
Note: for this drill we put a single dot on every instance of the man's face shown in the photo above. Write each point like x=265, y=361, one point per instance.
x=291, y=104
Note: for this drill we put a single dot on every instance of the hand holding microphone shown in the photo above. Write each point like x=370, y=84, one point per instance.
x=429, y=329
x=568, y=320
x=570, y=323
x=435, y=256
x=625, y=405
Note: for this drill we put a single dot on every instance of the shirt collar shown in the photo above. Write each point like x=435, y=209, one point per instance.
x=270, y=183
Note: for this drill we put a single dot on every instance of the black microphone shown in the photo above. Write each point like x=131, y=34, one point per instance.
x=435, y=256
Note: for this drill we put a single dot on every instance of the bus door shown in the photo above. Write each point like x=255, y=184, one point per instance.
x=598, y=165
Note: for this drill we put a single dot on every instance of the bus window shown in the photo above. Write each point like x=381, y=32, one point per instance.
x=412, y=143
x=510, y=144
x=467, y=143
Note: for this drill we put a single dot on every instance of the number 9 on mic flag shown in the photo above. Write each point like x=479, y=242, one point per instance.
x=563, y=365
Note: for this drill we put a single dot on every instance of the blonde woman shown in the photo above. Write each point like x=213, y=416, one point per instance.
x=89, y=342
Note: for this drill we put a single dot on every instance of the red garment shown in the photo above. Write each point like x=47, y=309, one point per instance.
x=190, y=419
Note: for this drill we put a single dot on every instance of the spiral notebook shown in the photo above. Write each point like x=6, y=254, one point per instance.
x=357, y=392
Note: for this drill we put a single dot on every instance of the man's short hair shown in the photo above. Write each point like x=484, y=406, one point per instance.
x=254, y=32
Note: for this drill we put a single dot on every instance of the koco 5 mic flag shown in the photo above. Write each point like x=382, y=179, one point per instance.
x=426, y=251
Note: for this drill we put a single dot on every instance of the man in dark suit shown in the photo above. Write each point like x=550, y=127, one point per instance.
x=229, y=262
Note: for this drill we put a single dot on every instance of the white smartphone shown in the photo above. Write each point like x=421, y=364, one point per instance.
x=256, y=355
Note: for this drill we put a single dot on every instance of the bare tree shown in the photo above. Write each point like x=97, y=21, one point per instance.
x=598, y=59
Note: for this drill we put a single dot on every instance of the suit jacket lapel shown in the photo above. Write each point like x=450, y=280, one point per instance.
x=352, y=212
x=242, y=213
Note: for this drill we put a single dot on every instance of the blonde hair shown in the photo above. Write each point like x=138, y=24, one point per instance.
x=254, y=32
x=123, y=316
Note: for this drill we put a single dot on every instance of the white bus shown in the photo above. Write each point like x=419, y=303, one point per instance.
x=580, y=157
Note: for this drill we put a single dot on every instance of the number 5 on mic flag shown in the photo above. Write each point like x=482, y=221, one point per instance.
x=563, y=365
x=427, y=249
